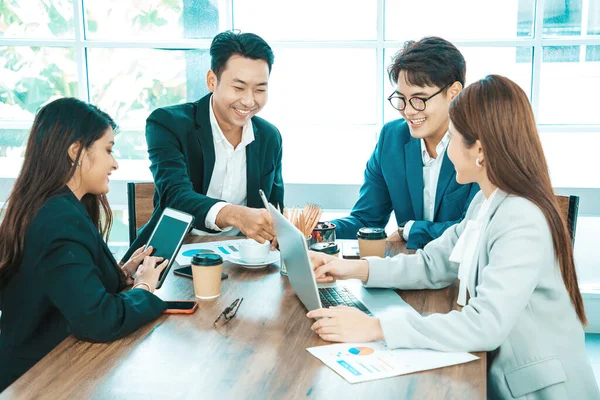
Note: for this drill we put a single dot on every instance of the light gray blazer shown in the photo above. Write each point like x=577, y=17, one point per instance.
x=519, y=311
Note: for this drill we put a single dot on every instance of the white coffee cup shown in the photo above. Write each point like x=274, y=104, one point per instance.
x=253, y=252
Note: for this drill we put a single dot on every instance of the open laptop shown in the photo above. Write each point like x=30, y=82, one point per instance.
x=294, y=253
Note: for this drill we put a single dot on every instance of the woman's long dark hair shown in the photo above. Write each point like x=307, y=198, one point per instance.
x=496, y=111
x=46, y=170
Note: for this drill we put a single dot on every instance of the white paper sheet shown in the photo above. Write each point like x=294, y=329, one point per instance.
x=360, y=362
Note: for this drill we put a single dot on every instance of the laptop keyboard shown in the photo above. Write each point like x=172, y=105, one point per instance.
x=340, y=296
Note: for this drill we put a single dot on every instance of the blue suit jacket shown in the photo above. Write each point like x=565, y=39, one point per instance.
x=394, y=181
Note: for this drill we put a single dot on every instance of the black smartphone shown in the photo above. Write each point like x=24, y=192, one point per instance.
x=187, y=272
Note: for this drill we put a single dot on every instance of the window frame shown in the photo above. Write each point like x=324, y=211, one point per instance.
x=299, y=192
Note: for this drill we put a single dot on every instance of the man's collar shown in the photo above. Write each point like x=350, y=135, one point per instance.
x=439, y=149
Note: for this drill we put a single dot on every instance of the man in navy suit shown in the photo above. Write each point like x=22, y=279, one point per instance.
x=409, y=171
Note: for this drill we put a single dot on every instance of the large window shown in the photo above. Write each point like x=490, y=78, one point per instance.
x=329, y=81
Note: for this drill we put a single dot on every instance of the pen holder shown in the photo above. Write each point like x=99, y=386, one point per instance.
x=282, y=267
x=323, y=232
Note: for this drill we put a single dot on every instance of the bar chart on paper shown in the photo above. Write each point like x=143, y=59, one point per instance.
x=360, y=362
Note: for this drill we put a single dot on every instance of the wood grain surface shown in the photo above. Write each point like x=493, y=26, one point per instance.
x=261, y=353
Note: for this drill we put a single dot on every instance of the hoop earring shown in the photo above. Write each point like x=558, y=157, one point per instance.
x=478, y=163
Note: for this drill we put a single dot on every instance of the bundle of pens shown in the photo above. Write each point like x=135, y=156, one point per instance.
x=305, y=219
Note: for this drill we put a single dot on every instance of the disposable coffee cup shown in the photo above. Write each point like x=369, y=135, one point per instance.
x=206, y=273
x=326, y=247
x=371, y=242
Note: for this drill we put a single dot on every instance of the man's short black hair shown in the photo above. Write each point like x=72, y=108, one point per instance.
x=229, y=43
x=432, y=61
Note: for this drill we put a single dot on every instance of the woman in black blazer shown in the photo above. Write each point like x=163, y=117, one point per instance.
x=57, y=276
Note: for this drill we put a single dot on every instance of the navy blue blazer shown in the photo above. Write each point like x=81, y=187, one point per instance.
x=68, y=283
x=182, y=156
x=394, y=181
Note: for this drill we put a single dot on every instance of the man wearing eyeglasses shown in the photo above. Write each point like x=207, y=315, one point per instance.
x=409, y=171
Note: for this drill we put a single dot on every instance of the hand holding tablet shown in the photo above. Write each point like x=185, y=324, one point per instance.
x=168, y=236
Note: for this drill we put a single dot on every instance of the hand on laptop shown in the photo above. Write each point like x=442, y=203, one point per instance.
x=345, y=324
x=329, y=268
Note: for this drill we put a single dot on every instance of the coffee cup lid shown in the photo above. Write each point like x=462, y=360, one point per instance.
x=207, y=260
x=326, y=247
x=371, y=233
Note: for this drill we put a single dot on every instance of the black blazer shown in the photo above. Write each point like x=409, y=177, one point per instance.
x=68, y=283
x=182, y=156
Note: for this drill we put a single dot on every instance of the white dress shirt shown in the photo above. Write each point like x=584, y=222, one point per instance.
x=228, y=181
x=431, y=174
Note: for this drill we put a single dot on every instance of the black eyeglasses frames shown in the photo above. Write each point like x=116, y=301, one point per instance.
x=418, y=103
x=230, y=311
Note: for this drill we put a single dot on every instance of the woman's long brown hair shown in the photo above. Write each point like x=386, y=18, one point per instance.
x=496, y=111
x=46, y=170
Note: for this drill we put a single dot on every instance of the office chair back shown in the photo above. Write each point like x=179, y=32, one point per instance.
x=140, y=205
x=569, y=207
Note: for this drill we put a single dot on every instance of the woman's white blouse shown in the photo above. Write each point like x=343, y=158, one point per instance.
x=466, y=246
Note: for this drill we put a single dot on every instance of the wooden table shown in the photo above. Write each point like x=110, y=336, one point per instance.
x=261, y=353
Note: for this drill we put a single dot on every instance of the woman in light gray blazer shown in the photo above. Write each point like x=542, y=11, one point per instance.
x=512, y=254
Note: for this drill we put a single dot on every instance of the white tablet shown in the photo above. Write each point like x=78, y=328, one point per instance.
x=168, y=236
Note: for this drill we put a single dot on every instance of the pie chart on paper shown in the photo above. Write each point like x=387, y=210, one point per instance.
x=361, y=351
x=193, y=252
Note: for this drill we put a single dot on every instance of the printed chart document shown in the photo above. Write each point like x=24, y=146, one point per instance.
x=361, y=362
x=224, y=248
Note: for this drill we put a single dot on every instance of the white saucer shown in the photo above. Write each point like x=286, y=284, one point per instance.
x=273, y=257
